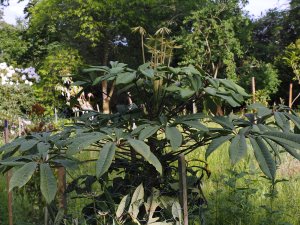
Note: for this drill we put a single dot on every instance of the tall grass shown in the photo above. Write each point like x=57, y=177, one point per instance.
x=241, y=195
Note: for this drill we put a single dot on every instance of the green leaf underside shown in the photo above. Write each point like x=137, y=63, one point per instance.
x=148, y=132
x=237, y=148
x=223, y=121
x=263, y=157
x=216, y=143
x=144, y=150
x=84, y=140
x=125, y=78
x=27, y=145
x=106, y=156
x=175, y=137
x=43, y=148
x=21, y=176
x=196, y=124
x=48, y=183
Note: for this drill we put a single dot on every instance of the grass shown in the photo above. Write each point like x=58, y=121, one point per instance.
x=241, y=195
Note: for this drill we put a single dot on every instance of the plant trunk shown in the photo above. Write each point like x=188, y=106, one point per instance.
x=104, y=84
x=219, y=111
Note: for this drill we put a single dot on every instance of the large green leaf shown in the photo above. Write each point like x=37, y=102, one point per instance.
x=143, y=149
x=148, y=132
x=136, y=201
x=106, y=156
x=295, y=119
x=223, y=121
x=21, y=176
x=28, y=144
x=125, y=78
x=186, y=92
x=215, y=143
x=175, y=137
x=237, y=148
x=196, y=124
x=84, y=140
x=48, y=183
x=43, y=148
x=122, y=206
x=294, y=152
x=290, y=139
x=177, y=211
x=263, y=157
x=229, y=100
x=280, y=120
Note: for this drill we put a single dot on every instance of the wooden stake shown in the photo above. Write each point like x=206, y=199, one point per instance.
x=8, y=177
x=253, y=89
x=62, y=188
x=291, y=96
x=20, y=126
x=55, y=114
x=183, y=188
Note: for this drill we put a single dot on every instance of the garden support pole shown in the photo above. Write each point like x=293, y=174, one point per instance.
x=253, y=89
x=8, y=176
x=55, y=115
x=291, y=96
x=183, y=188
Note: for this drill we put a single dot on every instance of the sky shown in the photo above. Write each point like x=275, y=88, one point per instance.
x=255, y=8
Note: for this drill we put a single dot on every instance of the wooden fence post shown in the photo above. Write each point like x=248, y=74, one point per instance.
x=8, y=177
x=183, y=187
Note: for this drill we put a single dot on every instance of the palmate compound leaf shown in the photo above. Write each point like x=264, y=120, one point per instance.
x=21, y=176
x=83, y=140
x=144, y=150
x=216, y=143
x=175, y=137
x=237, y=148
x=106, y=156
x=263, y=157
x=48, y=183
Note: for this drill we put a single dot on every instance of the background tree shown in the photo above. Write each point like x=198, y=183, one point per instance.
x=12, y=46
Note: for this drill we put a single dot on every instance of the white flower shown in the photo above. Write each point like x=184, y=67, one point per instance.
x=30, y=83
x=26, y=82
x=3, y=66
x=23, y=77
x=9, y=74
x=11, y=83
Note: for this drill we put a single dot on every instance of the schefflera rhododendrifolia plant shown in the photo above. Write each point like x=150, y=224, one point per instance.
x=15, y=76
